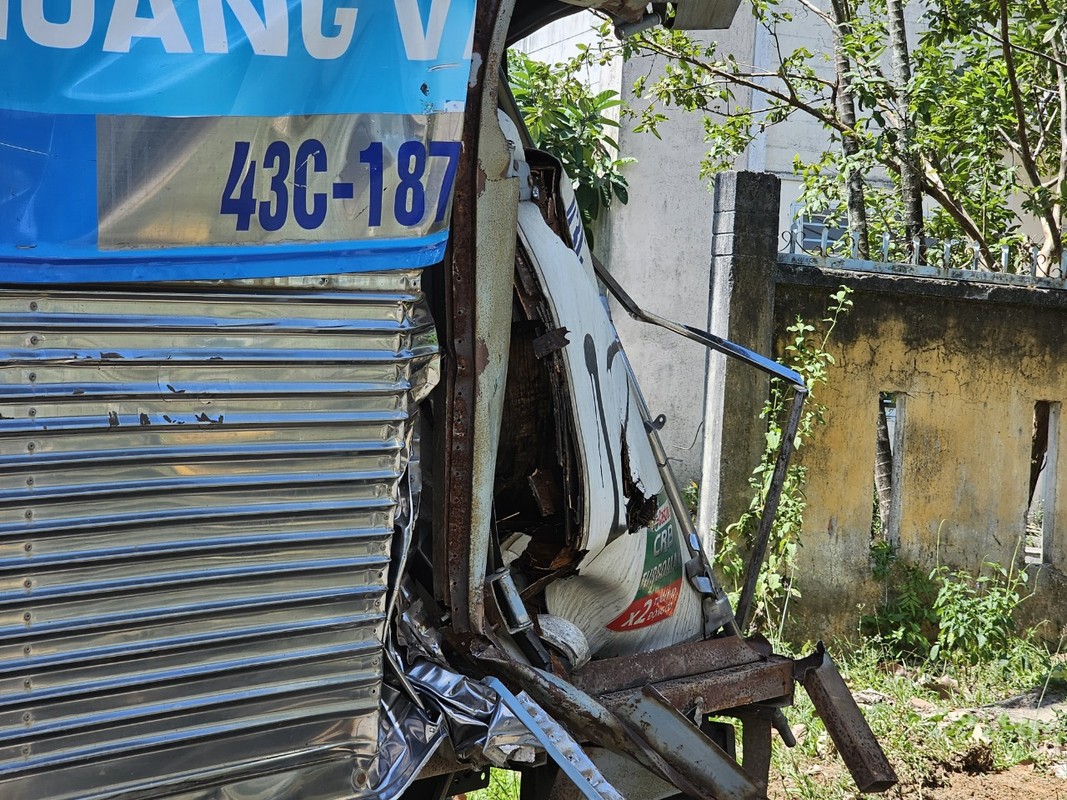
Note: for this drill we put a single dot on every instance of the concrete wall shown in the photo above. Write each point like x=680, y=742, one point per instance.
x=970, y=363
x=659, y=246
x=967, y=361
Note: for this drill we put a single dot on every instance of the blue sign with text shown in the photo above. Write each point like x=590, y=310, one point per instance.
x=186, y=139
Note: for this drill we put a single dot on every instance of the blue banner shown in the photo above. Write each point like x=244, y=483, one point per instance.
x=213, y=139
x=206, y=58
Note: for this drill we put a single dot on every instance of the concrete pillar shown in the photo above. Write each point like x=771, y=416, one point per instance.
x=740, y=308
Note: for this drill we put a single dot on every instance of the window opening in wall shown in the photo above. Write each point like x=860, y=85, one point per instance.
x=1041, y=500
x=889, y=438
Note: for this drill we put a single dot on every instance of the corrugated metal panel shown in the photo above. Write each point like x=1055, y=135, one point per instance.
x=197, y=493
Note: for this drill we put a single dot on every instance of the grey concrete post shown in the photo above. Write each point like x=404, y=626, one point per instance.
x=740, y=308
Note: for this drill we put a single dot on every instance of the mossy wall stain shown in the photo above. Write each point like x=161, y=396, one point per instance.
x=970, y=372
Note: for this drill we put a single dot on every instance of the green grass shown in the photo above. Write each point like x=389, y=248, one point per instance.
x=503, y=785
x=931, y=719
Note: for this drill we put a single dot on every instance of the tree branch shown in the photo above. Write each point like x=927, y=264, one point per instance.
x=791, y=97
x=1028, y=163
x=1022, y=49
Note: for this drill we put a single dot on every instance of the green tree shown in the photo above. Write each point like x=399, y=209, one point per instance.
x=969, y=117
x=571, y=122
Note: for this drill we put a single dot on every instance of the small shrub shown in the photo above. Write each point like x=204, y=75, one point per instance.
x=573, y=123
x=974, y=613
x=947, y=615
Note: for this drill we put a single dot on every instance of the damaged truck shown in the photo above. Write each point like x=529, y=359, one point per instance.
x=323, y=472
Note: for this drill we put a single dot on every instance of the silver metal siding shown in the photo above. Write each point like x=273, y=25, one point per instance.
x=197, y=493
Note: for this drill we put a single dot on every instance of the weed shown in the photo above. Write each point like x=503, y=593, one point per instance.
x=807, y=354
x=947, y=615
x=974, y=613
x=905, y=623
x=691, y=496
x=503, y=785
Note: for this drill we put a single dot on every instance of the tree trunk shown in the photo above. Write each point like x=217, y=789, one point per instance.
x=846, y=108
x=883, y=469
x=1038, y=446
x=910, y=174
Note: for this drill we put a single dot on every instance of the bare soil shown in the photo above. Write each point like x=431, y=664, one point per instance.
x=1017, y=783
x=969, y=775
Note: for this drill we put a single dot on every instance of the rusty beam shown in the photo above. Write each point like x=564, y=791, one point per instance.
x=845, y=722
x=723, y=689
x=682, y=745
x=630, y=672
x=455, y=419
x=585, y=718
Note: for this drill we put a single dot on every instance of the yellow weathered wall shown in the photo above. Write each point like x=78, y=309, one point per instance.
x=971, y=369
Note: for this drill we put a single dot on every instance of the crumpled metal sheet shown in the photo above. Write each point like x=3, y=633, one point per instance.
x=479, y=725
x=457, y=709
x=407, y=738
x=630, y=10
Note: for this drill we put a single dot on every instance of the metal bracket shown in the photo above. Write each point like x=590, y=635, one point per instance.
x=516, y=618
x=844, y=721
x=685, y=748
x=559, y=744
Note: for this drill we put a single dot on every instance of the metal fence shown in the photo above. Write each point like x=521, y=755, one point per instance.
x=1023, y=263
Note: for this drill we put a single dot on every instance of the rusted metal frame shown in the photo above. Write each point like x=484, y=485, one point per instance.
x=455, y=425
x=756, y=745
x=534, y=302
x=770, y=505
x=586, y=718
x=845, y=723
x=721, y=690
x=785, y=451
x=686, y=748
x=630, y=672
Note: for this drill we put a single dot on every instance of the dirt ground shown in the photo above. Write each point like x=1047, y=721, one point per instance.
x=970, y=775
x=1016, y=783
x=1021, y=782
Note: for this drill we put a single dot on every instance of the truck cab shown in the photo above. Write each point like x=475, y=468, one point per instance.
x=323, y=471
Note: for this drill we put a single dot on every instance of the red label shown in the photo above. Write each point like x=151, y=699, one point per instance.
x=647, y=610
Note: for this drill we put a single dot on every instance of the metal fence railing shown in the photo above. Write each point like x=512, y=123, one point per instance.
x=1024, y=263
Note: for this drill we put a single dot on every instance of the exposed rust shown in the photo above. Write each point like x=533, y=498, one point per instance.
x=550, y=342
x=722, y=689
x=689, y=751
x=584, y=718
x=454, y=499
x=640, y=509
x=544, y=175
x=756, y=744
x=845, y=723
x=545, y=491
x=628, y=672
x=481, y=357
